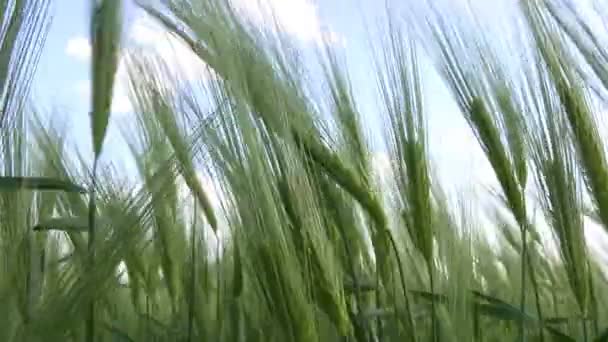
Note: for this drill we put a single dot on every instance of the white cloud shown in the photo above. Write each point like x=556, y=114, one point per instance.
x=381, y=168
x=151, y=36
x=333, y=38
x=120, y=101
x=78, y=48
x=298, y=18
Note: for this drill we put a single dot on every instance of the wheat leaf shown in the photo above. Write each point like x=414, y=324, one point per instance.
x=38, y=183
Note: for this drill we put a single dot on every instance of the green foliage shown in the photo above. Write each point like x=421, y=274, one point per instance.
x=257, y=214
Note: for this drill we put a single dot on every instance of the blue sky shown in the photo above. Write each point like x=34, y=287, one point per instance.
x=61, y=85
x=62, y=79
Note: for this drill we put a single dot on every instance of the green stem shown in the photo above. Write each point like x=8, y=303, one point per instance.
x=476, y=324
x=192, y=273
x=379, y=304
x=90, y=324
x=593, y=301
x=527, y=265
x=530, y=267
x=522, y=303
x=148, y=313
x=349, y=255
x=434, y=336
x=555, y=303
x=410, y=316
x=218, y=303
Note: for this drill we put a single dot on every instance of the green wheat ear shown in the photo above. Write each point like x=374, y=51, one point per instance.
x=25, y=24
x=145, y=76
x=591, y=153
x=106, y=24
x=561, y=196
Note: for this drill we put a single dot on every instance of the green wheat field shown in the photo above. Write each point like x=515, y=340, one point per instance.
x=290, y=235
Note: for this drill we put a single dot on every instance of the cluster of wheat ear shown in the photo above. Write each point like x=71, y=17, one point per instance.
x=300, y=241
